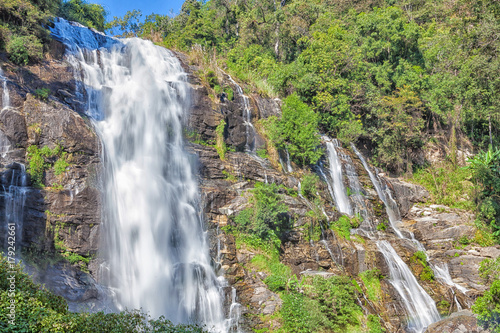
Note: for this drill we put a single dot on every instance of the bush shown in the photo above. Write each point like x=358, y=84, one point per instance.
x=296, y=131
x=371, y=280
x=309, y=185
x=42, y=93
x=24, y=49
x=420, y=258
x=267, y=214
x=487, y=307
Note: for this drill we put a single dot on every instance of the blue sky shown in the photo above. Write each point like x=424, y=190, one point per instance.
x=120, y=7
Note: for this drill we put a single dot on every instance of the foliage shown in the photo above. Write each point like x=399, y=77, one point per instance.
x=42, y=93
x=297, y=131
x=485, y=168
x=487, y=307
x=420, y=258
x=374, y=325
x=23, y=49
x=382, y=226
x=309, y=185
x=39, y=310
x=267, y=214
x=89, y=14
x=41, y=159
x=344, y=225
x=447, y=186
x=220, y=145
x=371, y=280
x=489, y=269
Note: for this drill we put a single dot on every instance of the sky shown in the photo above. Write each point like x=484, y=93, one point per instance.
x=120, y=7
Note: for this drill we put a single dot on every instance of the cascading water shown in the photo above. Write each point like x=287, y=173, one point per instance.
x=247, y=118
x=5, y=94
x=442, y=273
x=391, y=207
x=155, y=244
x=15, y=199
x=339, y=190
x=420, y=307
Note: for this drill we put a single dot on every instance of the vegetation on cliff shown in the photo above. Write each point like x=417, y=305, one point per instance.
x=39, y=310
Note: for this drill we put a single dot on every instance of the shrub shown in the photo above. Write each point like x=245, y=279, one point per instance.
x=39, y=310
x=296, y=131
x=267, y=214
x=23, y=49
x=212, y=79
x=42, y=93
x=420, y=258
x=88, y=14
x=487, y=307
x=371, y=280
x=309, y=185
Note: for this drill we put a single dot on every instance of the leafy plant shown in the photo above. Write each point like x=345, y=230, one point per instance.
x=420, y=258
x=42, y=93
x=267, y=214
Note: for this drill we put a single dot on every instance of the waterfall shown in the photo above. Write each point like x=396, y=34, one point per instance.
x=5, y=94
x=337, y=183
x=15, y=199
x=391, y=207
x=442, y=272
x=419, y=305
x=247, y=118
x=155, y=244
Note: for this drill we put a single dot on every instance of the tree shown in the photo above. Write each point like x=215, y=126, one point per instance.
x=297, y=131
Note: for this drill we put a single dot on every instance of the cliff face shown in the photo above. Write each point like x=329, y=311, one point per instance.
x=64, y=216
x=63, y=211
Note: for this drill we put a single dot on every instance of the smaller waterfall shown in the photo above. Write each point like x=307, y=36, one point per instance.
x=442, y=273
x=391, y=207
x=285, y=161
x=15, y=199
x=419, y=305
x=339, y=190
x=247, y=118
x=5, y=94
x=4, y=145
x=233, y=320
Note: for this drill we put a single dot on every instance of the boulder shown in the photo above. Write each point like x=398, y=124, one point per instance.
x=459, y=322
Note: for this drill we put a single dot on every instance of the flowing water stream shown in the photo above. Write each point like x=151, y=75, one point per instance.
x=420, y=307
x=5, y=93
x=155, y=245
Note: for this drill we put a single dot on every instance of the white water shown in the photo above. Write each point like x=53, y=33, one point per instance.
x=247, y=118
x=155, y=244
x=5, y=93
x=15, y=199
x=339, y=191
x=442, y=272
x=391, y=207
x=419, y=305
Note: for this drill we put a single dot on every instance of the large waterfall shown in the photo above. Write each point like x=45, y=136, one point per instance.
x=155, y=245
